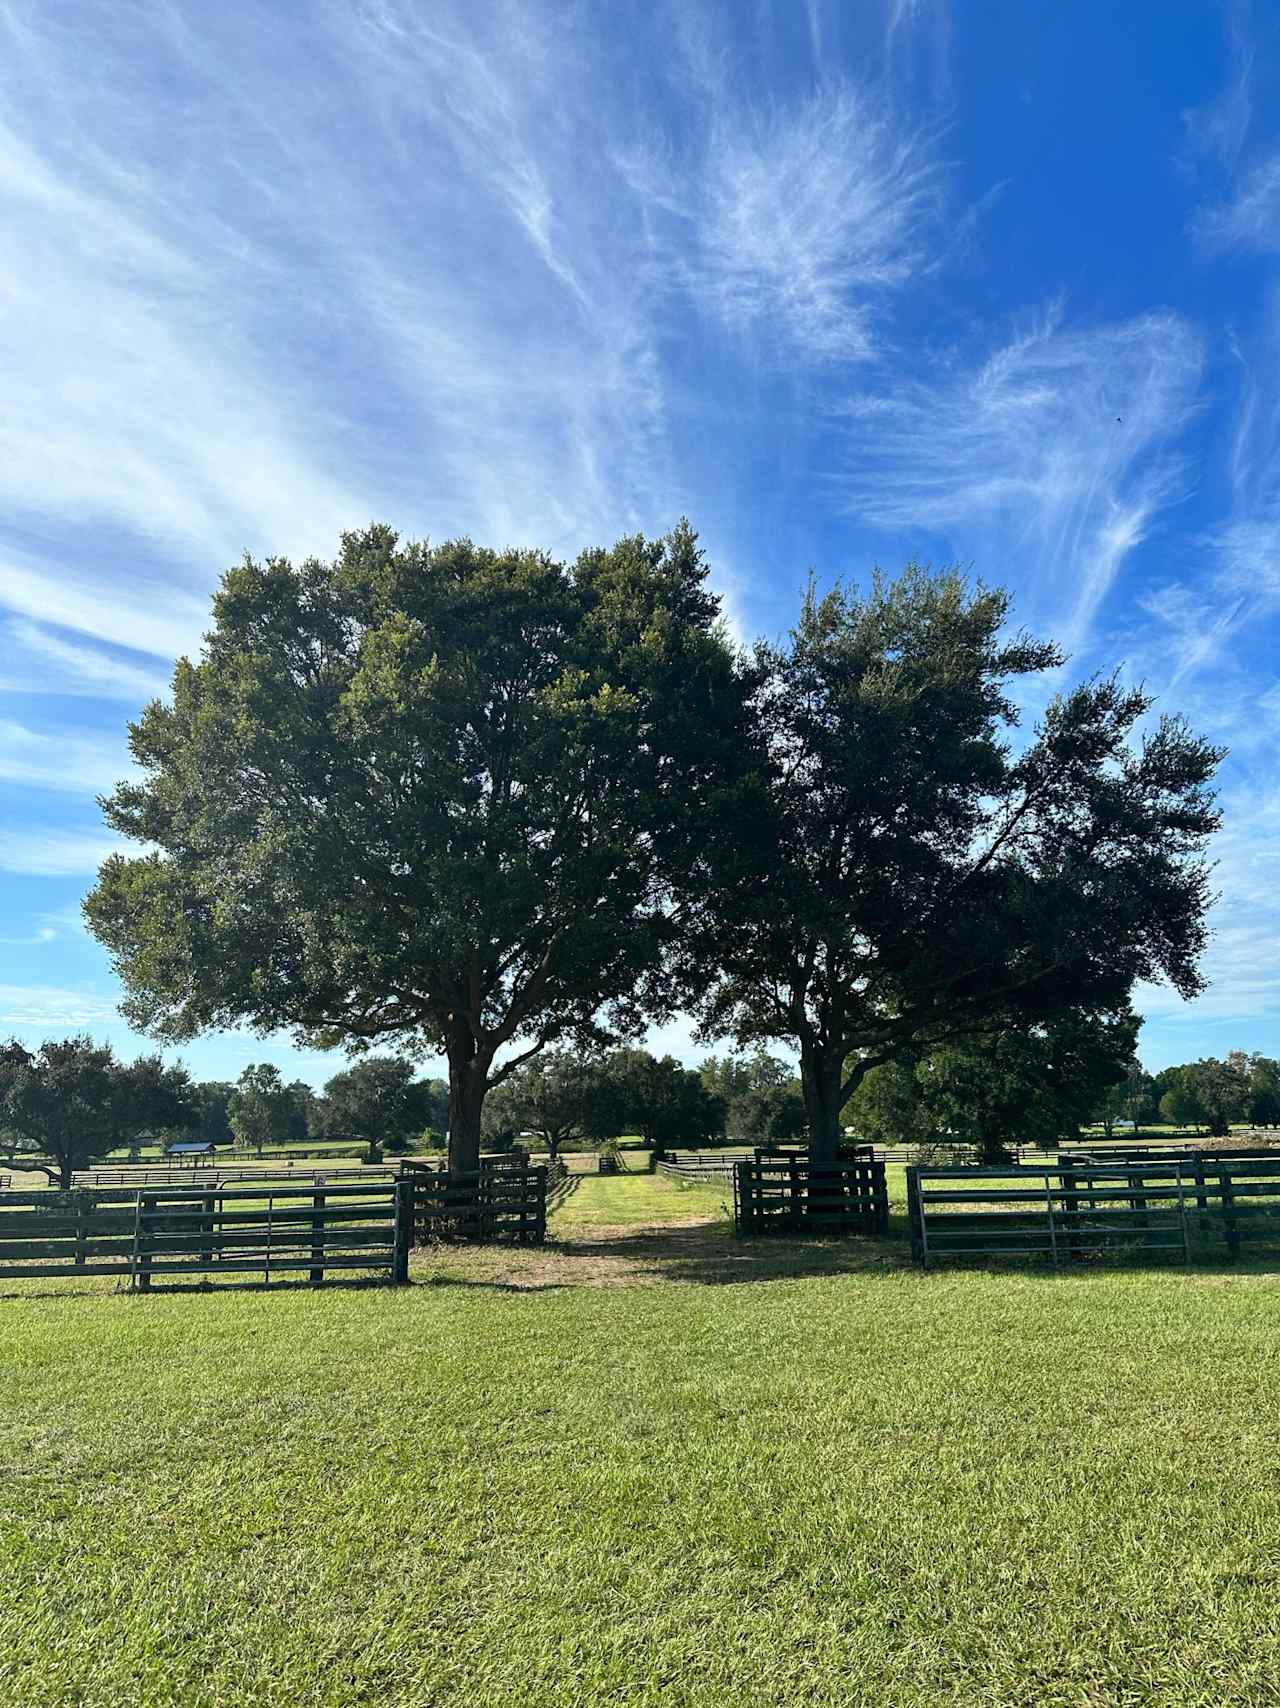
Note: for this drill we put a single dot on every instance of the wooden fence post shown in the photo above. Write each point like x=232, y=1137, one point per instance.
x=1068, y=1181
x=206, y=1244
x=404, y=1190
x=316, y=1275
x=84, y=1208
x=915, y=1214
x=145, y=1206
x=1229, y=1213
x=1202, y=1198
x=540, y=1223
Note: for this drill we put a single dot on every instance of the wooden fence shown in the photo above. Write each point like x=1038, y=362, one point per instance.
x=500, y=1200
x=711, y=1170
x=791, y=1195
x=142, y=1176
x=560, y=1184
x=206, y=1230
x=1186, y=1209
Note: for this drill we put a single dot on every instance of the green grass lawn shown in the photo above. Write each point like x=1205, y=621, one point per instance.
x=719, y=1474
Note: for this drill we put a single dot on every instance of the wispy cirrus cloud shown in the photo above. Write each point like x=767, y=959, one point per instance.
x=63, y=762
x=50, y=852
x=1050, y=458
x=41, y=661
x=55, y=1009
x=1203, y=617
x=1249, y=218
x=811, y=217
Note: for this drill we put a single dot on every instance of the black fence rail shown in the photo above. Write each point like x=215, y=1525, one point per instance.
x=193, y=1180
x=791, y=1195
x=206, y=1230
x=497, y=1201
x=710, y=1170
x=1127, y=1156
x=1185, y=1209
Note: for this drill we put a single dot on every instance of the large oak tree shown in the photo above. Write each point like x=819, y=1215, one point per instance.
x=431, y=795
x=905, y=875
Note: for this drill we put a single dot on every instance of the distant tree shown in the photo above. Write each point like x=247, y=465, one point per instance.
x=888, y=1108
x=154, y=1103
x=1142, y=1103
x=73, y=1102
x=1123, y=1099
x=1221, y=1090
x=726, y=1077
x=762, y=1096
x=435, y=796
x=905, y=876
x=263, y=1110
x=380, y=1098
x=213, y=1097
x=732, y=1077
x=1264, y=1091
x=769, y=1114
x=1036, y=1085
x=310, y=1102
x=665, y=1103
x=559, y=1098
x=1180, y=1107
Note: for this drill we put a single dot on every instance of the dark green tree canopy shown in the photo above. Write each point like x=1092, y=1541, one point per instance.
x=432, y=795
x=73, y=1102
x=902, y=877
x=559, y=1097
x=212, y=1122
x=381, y=1098
x=1027, y=1085
x=263, y=1110
x=1032, y=1085
x=665, y=1103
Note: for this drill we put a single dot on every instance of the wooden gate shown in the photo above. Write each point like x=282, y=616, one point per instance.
x=791, y=1195
x=499, y=1200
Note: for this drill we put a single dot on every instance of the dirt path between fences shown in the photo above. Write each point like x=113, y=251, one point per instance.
x=697, y=1249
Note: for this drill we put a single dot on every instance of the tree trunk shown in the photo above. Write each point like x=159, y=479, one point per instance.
x=468, y=1082
x=65, y=1172
x=820, y=1076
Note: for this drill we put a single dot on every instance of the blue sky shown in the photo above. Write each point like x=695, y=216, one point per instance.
x=846, y=283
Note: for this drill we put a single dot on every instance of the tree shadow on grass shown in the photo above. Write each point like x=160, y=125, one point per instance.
x=704, y=1253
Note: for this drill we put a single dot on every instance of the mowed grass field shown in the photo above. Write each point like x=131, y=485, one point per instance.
x=648, y=1465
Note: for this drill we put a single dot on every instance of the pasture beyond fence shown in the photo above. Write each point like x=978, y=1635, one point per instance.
x=1185, y=1208
x=791, y=1195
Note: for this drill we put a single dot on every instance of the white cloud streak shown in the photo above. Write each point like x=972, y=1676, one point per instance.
x=52, y=1009
x=51, y=853
x=1251, y=218
x=64, y=762
x=811, y=217
x=1049, y=461
x=40, y=661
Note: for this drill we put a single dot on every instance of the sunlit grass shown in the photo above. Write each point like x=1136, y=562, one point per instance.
x=881, y=1487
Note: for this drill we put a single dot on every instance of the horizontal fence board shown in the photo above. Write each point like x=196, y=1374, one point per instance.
x=1084, y=1207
